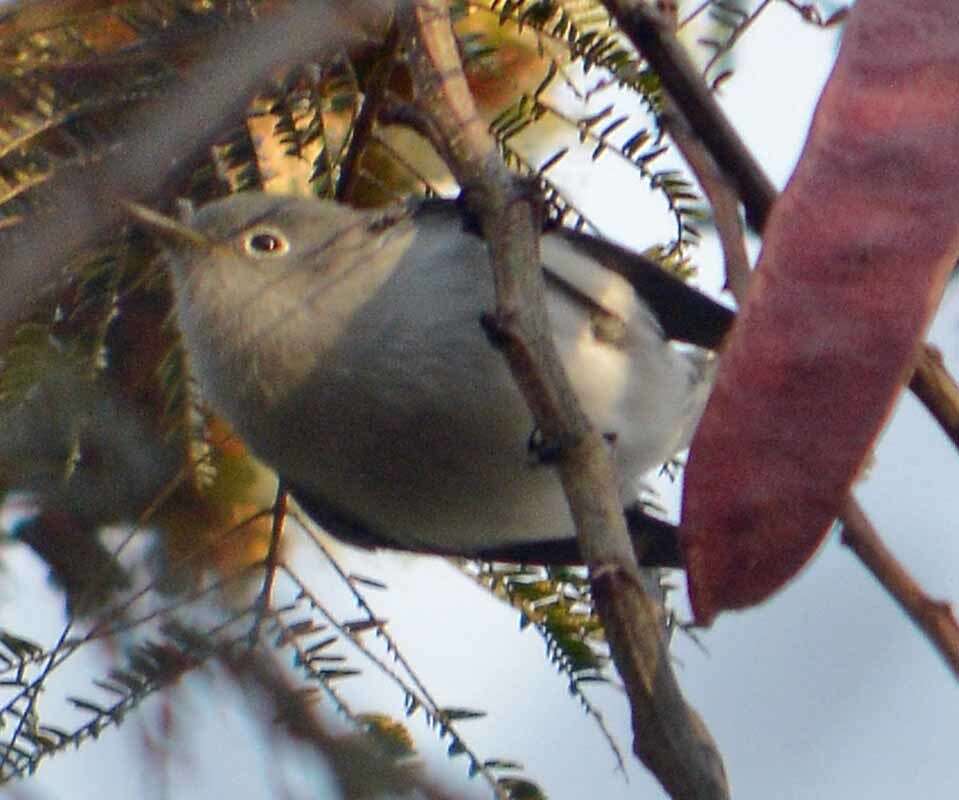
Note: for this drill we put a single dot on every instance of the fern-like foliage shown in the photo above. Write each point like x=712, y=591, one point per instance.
x=150, y=665
x=730, y=20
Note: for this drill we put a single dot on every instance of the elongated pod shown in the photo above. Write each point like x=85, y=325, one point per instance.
x=855, y=256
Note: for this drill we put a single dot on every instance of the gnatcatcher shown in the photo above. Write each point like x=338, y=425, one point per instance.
x=346, y=348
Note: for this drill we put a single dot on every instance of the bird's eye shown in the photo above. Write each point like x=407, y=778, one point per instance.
x=265, y=242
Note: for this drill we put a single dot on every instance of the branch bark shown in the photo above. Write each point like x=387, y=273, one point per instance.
x=669, y=737
x=937, y=390
x=715, y=183
x=652, y=36
x=934, y=618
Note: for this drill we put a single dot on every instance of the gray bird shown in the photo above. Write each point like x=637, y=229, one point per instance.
x=346, y=348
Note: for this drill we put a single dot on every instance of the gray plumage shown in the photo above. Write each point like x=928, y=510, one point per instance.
x=346, y=348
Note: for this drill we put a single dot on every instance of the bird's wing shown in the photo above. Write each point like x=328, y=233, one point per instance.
x=569, y=257
x=684, y=313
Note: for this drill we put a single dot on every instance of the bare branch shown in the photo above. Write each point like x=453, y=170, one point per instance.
x=931, y=383
x=934, y=617
x=937, y=391
x=651, y=35
x=366, y=121
x=714, y=182
x=670, y=738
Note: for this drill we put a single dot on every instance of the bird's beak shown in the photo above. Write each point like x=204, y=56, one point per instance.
x=171, y=232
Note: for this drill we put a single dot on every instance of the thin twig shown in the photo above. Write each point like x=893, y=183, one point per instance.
x=362, y=133
x=937, y=391
x=737, y=34
x=415, y=692
x=652, y=36
x=359, y=766
x=419, y=689
x=724, y=201
x=934, y=617
x=271, y=562
x=715, y=184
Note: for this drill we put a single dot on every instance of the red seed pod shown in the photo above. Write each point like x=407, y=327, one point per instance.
x=855, y=256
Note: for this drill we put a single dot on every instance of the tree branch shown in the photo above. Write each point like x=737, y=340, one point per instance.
x=937, y=390
x=715, y=183
x=935, y=618
x=652, y=37
x=669, y=737
x=376, y=89
x=650, y=33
